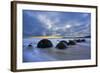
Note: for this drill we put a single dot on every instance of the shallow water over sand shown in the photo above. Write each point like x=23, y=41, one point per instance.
x=76, y=52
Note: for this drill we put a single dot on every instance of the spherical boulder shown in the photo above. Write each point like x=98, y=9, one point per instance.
x=71, y=42
x=83, y=40
x=44, y=43
x=62, y=45
x=30, y=45
x=78, y=40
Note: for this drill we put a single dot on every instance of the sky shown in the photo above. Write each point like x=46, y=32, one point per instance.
x=55, y=23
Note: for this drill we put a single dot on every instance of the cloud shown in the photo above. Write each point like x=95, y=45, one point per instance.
x=46, y=22
x=49, y=22
x=58, y=23
x=67, y=27
x=85, y=15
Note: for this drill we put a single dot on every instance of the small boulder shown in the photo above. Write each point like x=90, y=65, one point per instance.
x=83, y=40
x=30, y=45
x=71, y=42
x=78, y=40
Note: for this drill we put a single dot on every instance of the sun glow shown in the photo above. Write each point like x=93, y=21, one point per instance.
x=47, y=37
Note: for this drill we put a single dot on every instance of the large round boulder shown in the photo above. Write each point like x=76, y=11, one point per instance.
x=44, y=43
x=62, y=45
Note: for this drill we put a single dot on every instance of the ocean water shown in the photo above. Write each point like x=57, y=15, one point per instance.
x=79, y=51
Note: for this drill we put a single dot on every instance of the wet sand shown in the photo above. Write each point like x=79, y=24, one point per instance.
x=79, y=51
